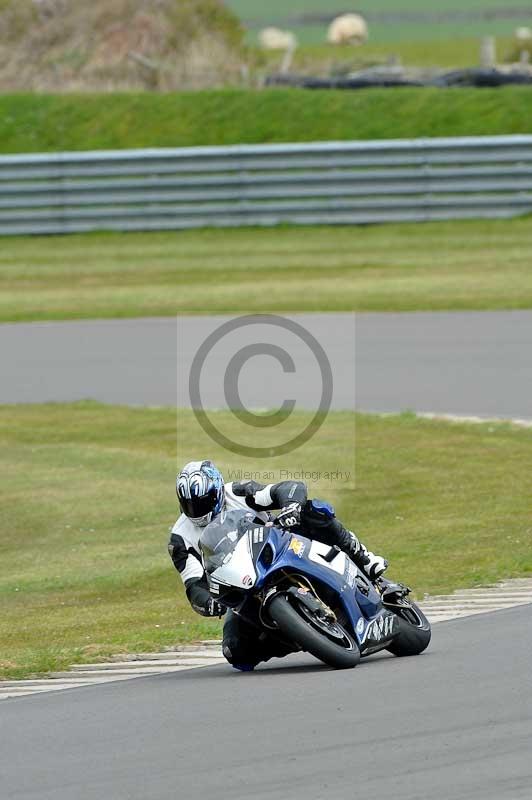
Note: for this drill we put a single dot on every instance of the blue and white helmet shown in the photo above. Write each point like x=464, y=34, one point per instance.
x=200, y=491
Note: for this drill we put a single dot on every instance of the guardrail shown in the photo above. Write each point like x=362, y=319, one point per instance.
x=323, y=183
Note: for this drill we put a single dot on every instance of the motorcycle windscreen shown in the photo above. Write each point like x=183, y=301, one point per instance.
x=220, y=538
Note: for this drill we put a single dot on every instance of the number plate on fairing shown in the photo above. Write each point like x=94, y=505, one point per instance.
x=317, y=552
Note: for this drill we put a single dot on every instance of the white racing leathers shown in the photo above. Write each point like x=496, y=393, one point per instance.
x=315, y=520
x=183, y=546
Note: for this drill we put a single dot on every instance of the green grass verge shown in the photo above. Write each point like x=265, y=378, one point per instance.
x=87, y=499
x=35, y=123
x=453, y=53
x=437, y=266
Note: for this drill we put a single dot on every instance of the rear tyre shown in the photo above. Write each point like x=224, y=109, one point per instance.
x=329, y=642
x=414, y=631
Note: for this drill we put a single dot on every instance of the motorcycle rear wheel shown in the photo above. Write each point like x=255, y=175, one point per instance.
x=338, y=649
x=414, y=631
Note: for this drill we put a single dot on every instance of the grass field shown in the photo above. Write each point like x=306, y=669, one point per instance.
x=44, y=123
x=458, y=265
x=88, y=497
x=389, y=20
x=323, y=59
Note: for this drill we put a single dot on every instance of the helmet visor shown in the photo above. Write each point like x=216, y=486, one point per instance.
x=196, y=507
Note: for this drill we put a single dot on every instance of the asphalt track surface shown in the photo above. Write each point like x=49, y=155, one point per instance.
x=458, y=363
x=452, y=724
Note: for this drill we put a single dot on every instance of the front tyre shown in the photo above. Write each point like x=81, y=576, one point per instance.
x=414, y=630
x=327, y=641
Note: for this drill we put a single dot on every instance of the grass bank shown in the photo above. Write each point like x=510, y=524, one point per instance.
x=43, y=123
x=437, y=266
x=88, y=496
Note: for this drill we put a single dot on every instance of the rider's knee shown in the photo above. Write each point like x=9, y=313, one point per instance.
x=235, y=652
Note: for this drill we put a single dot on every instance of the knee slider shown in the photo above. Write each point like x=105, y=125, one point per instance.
x=235, y=653
x=230, y=650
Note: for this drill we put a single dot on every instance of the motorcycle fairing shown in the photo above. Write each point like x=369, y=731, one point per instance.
x=239, y=568
x=295, y=553
x=242, y=557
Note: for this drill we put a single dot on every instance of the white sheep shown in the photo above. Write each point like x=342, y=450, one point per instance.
x=523, y=35
x=348, y=29
x=523, y=45
x=276, y=39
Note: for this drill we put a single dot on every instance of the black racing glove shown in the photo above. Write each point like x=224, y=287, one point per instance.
x=289, y=516
x=213, y=608
x=201, y=601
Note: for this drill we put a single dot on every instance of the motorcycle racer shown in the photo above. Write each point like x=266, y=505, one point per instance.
x=203, y=495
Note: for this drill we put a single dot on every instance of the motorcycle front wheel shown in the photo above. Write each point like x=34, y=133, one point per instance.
x=326, y=640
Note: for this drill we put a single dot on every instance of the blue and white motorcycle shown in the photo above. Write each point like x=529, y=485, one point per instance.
x=306, y=594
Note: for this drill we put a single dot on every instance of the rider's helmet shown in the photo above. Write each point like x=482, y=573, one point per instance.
x=200, y=491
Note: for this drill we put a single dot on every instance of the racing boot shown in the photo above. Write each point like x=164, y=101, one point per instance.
x=371, y=565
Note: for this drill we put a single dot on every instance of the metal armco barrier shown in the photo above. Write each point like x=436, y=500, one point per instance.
x=323, y=183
